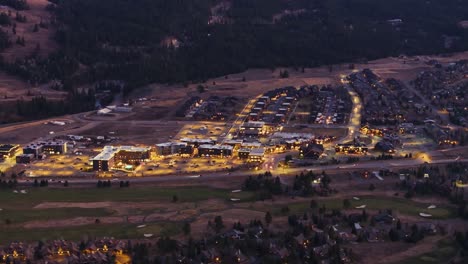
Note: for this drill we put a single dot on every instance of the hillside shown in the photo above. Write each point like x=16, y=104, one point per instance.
x=147, y=41
x=158, y=41
x=39, y=42
x=40, y=36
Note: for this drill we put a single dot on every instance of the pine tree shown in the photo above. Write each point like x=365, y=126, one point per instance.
x=268, y=218
x=186, y=228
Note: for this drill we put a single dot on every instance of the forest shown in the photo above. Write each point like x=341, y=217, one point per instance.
x=120, y=38
x=128, y=40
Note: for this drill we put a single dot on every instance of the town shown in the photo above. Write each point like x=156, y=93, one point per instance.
x=347, y=143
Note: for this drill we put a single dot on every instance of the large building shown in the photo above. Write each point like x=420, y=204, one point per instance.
x=215, y=150
x=24, y=158
x=257, y=155
x=111, y=156
x=52, y=147
x=198, y=141
x=8, y=151
x=253, y=129
x=173, y=148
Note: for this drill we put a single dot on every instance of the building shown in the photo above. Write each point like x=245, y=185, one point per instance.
x=367, y=130
x=243, y=153
x=111, y=156
x=8, y=151
x=257, y=155
x=236, y=143
x=311, y=151
x=51, y=147
x=173, y=148
x=253, y=129
x=163, y=149
x=351, y=148
x=24, y=158
x=104, y=161
x=132, y=155
x=406, y=128
x=198, y=141
x=215, y=150
x=251, y=145
x=384, y=146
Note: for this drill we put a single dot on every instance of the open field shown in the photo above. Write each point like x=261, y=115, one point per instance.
x=17, y=216
x=138, y=133
x=44, y=37
x=11, y=88
x=24, y=133
x=71, y=213
x=141, y=194
x=440, y=253
x=81, y=213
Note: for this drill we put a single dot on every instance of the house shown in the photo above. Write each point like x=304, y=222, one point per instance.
x=311, y=150
x=384, y=218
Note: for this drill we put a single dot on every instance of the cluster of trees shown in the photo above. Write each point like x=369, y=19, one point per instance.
x=302, y=183
x=16, y=4
x=124, y=184
x=42, y=183
x=8, y=184
x=264, y=183
x=217, y=225
x=37, y=70
x=462, y=240
x=40, y=107
x=104, y=184
x=5, y=19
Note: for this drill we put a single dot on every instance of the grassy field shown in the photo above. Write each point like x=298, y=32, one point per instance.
x=19, y=208
x=16, y=216
x=402, y=206
x=89, y=231
x=8, y=199
x=442, y=253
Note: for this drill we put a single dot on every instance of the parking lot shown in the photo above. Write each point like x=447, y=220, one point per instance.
x=58, y=166
x=178, y=165
x=198, y=130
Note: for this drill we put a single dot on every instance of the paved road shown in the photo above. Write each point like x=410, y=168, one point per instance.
x=289, y=172
x=354, y=123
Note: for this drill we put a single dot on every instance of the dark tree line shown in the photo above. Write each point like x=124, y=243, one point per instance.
x=118, y=39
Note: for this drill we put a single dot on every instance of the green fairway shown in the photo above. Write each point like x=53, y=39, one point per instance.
x=444, y=251
x=15, y=216
x=400, y=205
x=124, y=231
x=8, y=199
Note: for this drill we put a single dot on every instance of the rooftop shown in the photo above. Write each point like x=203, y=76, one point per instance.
x=108, y=152
x=7, y=147
x=207, y=146
x=257, y=152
